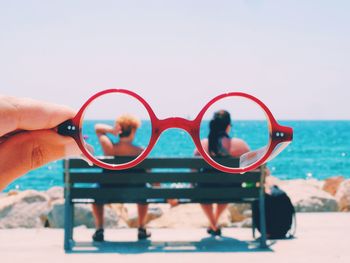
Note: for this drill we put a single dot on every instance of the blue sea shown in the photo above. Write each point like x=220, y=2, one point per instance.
x=320, y=149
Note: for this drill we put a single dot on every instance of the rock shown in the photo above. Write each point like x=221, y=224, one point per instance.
x=238, y=212
x=272, y=180
x=122, y=213
x=186, y=216
x=246, y=223
x=308, y=196
x=12, y=192
x=3, y=195
x=132, y=216
x=343, y=196
x=331, y=185
x=82, y=215
x=27, y=209
x=55, y=193
x=248, y=213
x=235, y=215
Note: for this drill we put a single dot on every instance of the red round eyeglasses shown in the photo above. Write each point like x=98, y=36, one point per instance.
x=279, y=136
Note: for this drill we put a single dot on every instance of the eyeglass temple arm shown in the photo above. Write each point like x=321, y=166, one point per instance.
x=278, y=149
x=67, y=128
x=283, y=135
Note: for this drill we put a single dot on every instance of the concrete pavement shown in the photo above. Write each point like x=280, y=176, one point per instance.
x=321, y=237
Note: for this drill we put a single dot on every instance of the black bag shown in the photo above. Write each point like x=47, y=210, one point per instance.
x=279, y=213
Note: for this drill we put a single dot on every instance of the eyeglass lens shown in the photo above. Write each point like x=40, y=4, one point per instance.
x=116, y=124
x=233, y=125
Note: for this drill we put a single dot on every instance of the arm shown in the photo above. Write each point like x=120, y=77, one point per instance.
x=101, y=131
x=238, y=147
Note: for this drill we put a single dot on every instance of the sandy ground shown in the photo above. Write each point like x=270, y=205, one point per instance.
x=321, y=237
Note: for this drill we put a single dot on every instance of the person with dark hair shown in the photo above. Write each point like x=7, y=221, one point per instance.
x=125, y=127
x=220, y=144
x=218, y=134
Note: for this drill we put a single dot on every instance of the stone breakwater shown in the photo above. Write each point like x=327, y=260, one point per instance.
x=34, y=209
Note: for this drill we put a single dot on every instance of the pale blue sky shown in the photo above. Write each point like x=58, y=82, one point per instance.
x=293, y=55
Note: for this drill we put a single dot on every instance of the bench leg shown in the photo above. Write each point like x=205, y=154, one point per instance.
x=262, y=221
x=253, y=221
x=68, y=225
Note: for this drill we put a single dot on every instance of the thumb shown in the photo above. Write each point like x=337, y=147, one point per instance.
x=29, y=150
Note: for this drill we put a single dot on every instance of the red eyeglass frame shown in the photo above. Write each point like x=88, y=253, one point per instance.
x=279, y=135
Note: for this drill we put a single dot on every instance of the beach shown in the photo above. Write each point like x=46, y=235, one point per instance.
x=241, y=78
x=320, y=237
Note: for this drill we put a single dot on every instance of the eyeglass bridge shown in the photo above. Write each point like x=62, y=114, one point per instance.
x=176, y=122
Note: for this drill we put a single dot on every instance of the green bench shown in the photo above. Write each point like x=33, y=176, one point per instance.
x=81, y=182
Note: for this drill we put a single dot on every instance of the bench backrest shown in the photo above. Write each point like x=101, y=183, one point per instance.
x=157, y=179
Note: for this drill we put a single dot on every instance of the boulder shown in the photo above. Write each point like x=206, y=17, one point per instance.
x=13, y=192
x=343, y=196
x=131, y=216
x=82, y=215
x=272, y=180
x=55, y=193
x=246, y=223
x=3, y=195
x=239, y=212
x=332, y=184
x=122, y=214
x=186, y=216
x=308, y=196
x=27, y=209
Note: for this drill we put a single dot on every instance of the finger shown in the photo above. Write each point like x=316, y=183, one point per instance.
x=29, y=114
x=29, y=150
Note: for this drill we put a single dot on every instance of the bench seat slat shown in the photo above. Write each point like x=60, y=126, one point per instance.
x=165, y=201
x=193, y=162
x=176, y=177
x=119, y=194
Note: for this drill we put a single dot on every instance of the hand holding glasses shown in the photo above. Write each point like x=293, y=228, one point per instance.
x=251, y=120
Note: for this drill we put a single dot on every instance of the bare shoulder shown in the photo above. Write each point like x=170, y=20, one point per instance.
x=238, y=147
x=238, y=141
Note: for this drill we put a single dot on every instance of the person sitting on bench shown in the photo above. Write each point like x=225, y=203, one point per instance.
x=125, y=128
x=220, y=144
